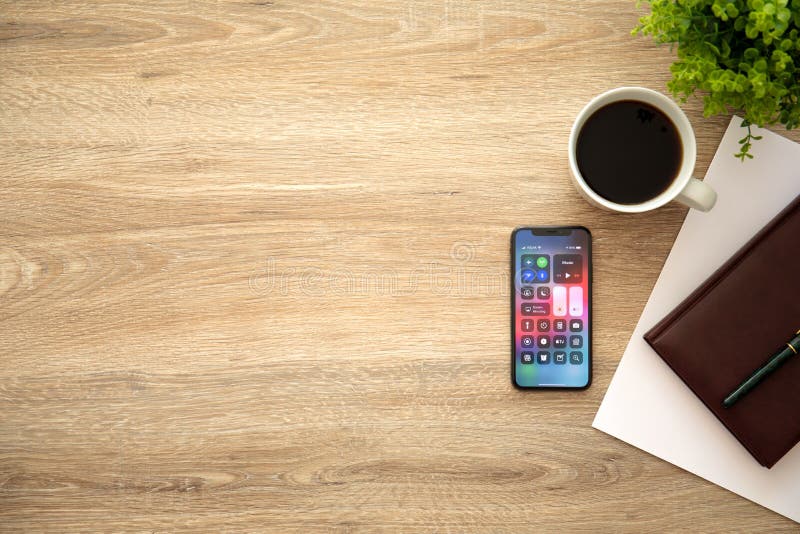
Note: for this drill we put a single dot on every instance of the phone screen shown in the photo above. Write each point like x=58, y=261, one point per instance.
x=551, y=307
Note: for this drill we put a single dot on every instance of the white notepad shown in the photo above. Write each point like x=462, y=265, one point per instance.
x=647, y=405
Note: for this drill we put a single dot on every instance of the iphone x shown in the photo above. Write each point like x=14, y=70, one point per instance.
x=551, y=307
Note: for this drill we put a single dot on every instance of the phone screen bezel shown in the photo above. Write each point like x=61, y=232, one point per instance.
x=542, y=232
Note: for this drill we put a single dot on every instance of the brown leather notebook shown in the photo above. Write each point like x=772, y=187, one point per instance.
x=732, y=324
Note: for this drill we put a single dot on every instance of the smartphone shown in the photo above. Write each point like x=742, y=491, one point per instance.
x=551, y=307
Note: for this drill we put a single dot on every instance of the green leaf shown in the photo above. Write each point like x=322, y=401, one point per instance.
x=741, y=55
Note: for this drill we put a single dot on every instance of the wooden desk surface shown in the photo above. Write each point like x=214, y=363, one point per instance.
x=253, y=269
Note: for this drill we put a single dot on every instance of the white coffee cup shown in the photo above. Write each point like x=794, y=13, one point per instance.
x=684, y=188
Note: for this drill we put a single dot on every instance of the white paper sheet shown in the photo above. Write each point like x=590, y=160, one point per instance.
x=647, y=405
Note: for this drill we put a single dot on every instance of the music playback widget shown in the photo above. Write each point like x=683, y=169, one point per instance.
x=568, y=269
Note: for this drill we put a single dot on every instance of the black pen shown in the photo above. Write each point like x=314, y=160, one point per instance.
x=791, y=349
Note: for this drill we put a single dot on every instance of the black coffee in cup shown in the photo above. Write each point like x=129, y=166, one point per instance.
x=629, y=152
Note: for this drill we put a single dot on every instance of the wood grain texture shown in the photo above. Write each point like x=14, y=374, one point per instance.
x=253, y=269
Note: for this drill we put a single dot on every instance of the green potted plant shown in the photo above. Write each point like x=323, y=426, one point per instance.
x=744, y=55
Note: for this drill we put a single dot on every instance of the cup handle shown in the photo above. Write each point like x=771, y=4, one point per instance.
x=698, y=195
